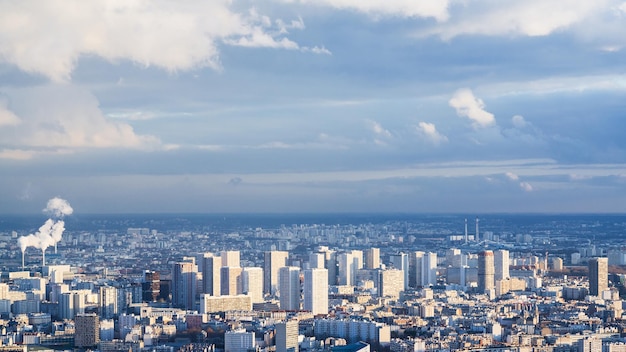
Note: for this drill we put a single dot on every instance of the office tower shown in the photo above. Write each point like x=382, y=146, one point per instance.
x=400, y=261
x=429, y=269
x=289, y=282
x=345, y=264
x=357, y=260
x=485, y=271
x=230, y=258
x=415, y=269
x=66, y=306
x=557, y=264
x=239, y=341
x=453, y=257
x=252, y=279
x=231, y=283
x=184, y=283
x=390, y=283
x=372, y=258
x=331, y=265
x=287, y=336
x=87, y=333
x=598, y=275
x=108, y=302
x=501, y=264
x=316, y=290
x=317, y=260
x=151, y=286
x=210, y=266
x=274, y=260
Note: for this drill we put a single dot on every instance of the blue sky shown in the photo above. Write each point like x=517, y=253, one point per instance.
x=313, y=106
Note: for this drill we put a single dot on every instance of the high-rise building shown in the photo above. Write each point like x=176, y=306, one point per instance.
x=316, y=290
x=429, y=269
x=598, y=275
x=108, y=302
x=151, y=286
x=274, y=260
x=400, y=261
x=230, y=258
x=289, y=281
x=231, y=283
x=210, y=266
x=184, y=285
x=501, y=263
x=372, y=258
x=390, y=283
x=415, y=269
x=486, y=271
x=287, y=336
x=317, y=260
x=87, y=332
x=252, y=279
x=239, y=341
x=345, y=263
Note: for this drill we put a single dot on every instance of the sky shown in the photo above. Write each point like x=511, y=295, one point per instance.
x=228, y=106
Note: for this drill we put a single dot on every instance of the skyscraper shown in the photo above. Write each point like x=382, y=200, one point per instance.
x=210, y=266
x=274, y=260
x=501, y=263
x=485, y=271
x=390, y=283
x=287, y=336
x=400, y=261
x=598, y=275
x=316, y=290
x=345, y=263
x=372, y=258
x=289, y=281
x=151, y=286
x=230, y=258
x=317, y=260
x=87, y=330
x=252, y=279
x=108, y=302
x=184, y=282
x=429, y=269
x=231, y=280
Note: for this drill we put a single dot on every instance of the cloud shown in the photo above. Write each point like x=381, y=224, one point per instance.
x=526, y=186
x=400, y=8
x=7, y=117
x=519, y=121
x=467, y=105
x=429, y=132
x=527, y=18
x=61, y=118
x=49, y=38
x=378, y=129
x=511, y=176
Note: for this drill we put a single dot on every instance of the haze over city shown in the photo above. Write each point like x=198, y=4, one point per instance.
x=313, y=106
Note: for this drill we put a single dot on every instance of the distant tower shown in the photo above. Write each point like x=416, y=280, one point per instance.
x=477, y=233
x=485, y=271
x=210, y=266
x=108, y=302
x=253, y=283
x=316, y=291
x=231, y=283
x=287, y=336
x=289, y=282
x=151, y=286
x=87, y=330
x=598, y=275
x=465, y=230
x=230, y=258
x=501, y=264
x=372, y=258
x=184, y=283
x=400, y=261
x=391, y=283
x=345, y=263
x=274, y=260
x=429, y=269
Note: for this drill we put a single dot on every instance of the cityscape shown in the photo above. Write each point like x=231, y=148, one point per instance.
x=288, y=283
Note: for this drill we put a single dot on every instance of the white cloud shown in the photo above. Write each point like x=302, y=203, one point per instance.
x=7, y=117
x=528, y=18
x=378, y=129
x=526, y=186
x=519, y=121
x=401, y=8
x=467, y=105
x=49, y=37
x=65, y=117
x=511, y=176
x=429, y=132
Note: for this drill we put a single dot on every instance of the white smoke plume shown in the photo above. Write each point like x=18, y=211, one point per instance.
x=51, y=232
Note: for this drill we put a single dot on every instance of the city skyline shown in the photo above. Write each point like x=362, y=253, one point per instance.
x=300, y=106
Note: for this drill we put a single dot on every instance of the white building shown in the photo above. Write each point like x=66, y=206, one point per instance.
x=289, y=282
x=316, y=290
x=238, y=341
x=252, y=279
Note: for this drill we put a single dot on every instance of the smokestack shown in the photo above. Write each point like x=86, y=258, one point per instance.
x=43, y=256
x=466, y=230
x=23, y=266
x=477, y=235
